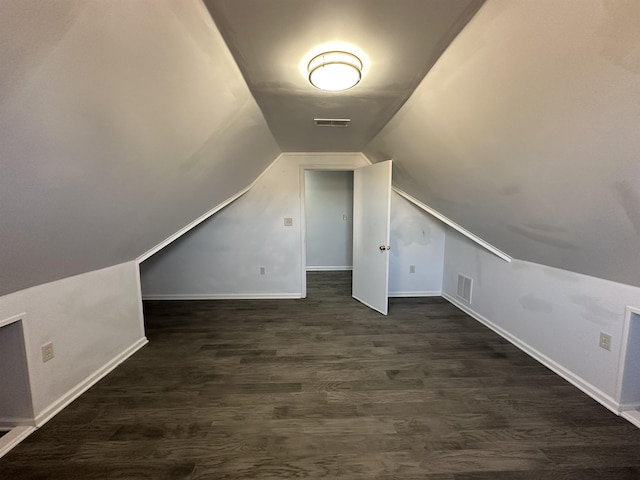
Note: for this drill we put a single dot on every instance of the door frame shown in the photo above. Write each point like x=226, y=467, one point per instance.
x=303, y=215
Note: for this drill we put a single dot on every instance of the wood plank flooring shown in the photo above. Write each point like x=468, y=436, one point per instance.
x=324, y=388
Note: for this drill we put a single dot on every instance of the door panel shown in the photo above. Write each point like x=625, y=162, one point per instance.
x=371, y=214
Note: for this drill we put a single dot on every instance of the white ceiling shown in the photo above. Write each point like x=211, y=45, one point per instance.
x=273, y=40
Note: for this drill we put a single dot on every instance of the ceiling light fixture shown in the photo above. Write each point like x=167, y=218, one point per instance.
x=335, y=71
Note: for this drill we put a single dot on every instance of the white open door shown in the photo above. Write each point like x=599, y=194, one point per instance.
x=371, y=214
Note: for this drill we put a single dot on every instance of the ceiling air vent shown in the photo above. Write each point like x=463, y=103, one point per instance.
x=332, y=122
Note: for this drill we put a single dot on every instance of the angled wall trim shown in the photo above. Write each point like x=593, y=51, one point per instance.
x=203, y=217
x=454, y=225
x=12, y=438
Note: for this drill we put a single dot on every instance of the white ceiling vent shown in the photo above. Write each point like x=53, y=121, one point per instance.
x=332, y=122
x=464, y=288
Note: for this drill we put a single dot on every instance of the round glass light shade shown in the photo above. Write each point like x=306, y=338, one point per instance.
x=335, y=71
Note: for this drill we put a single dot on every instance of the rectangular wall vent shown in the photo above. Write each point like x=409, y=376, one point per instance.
x=332, y=122
x=465, y=285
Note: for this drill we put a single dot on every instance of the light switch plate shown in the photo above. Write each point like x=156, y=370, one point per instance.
x=47, y=352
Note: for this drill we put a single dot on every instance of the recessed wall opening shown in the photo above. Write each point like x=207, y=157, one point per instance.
x=628, y=391
x=16, y=408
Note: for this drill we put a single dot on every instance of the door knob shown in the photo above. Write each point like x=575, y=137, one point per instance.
x=385, y=247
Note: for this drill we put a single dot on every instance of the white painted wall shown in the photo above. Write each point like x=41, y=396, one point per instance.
x=417, y=239
x=525, y=132
x=329, y=219
x=94, y=321
x=554, y=314
x=222, y=257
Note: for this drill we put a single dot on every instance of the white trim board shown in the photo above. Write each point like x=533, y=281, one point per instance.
x=12, y=319
x=54, y=408
x=13, y=437
x=225, y=296
x=205, y=216
x=594, y=392
x=413, y=294
x=324, y=268
x=447, y=221
x=632, y=416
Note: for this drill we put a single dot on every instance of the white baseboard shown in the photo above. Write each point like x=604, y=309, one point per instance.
x=12, y=438
x=632, y=416
x=225, y=296
x=48, y=413
x=594, y=392
x=414, y=294
x=323, y=268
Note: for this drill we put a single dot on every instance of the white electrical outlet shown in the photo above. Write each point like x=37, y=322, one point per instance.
x=288, y=222
x=605, y=341
x=412, y=269
x=263, y=271
x=47, y=352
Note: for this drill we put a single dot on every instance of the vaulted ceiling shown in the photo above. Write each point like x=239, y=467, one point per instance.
x=121, y=122
x=272, y=42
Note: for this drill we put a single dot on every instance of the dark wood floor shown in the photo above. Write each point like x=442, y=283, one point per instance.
x=326, y=388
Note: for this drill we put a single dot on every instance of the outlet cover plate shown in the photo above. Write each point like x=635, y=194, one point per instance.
x=605, y=341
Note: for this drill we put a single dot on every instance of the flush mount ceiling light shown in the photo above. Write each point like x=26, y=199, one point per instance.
x=335, y=71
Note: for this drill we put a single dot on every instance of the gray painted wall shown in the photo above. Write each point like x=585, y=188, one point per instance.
x=525, y=132
x=120, y=122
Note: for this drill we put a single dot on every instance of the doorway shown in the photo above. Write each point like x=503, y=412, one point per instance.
x=328, y=232
x=370, y=197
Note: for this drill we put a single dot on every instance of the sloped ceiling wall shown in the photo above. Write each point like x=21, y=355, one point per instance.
x=527, y=133
x=120, y=122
